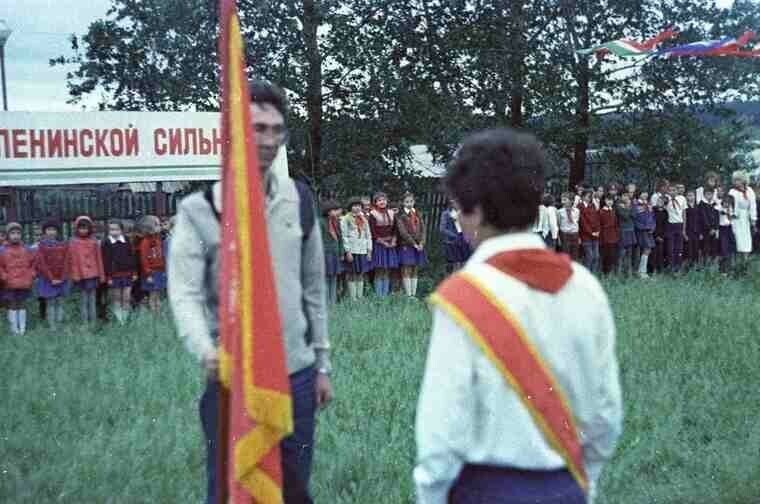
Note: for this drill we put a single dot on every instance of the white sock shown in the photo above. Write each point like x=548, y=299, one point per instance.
x=351, y=289
x=643, y=264
x=360, y=289
x=22, y=321
x=407, y=283
x=12, y=320
x=414, y=286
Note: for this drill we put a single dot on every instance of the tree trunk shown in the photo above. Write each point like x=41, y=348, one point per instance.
x=578, y=164
x=311, y=21
x=517, y=63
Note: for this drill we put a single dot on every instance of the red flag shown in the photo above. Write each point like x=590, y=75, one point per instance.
x=257, y=412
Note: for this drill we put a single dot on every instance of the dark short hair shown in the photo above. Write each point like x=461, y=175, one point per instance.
x=352, y=201
x=548, y=200
x=379, y=195
x=51, y=224
x=502, y=171
x=116, y=222
x=266, y=92
x=329, y=205
x=587, y=192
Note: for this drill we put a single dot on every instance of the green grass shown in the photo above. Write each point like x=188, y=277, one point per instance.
x=111, y=416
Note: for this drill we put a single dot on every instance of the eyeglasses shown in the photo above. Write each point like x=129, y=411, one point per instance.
x=278, y=132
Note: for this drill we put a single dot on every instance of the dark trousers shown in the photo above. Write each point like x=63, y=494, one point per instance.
x=627, y=260
x=570, y=245
x=496, y=485
x=296, y=450
x=591, y=255
x=693, y=246
x=610, y=258
x=658, y=256
x=710, y=247
x=674, y=243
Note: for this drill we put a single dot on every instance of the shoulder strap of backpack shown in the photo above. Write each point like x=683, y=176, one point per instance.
x=208, y=195
x=306, y=209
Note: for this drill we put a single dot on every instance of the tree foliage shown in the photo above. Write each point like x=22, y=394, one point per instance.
x=370, y=78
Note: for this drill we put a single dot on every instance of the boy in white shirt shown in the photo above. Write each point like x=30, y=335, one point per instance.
x=676, y=208
x=493, y=423
x=568, y=218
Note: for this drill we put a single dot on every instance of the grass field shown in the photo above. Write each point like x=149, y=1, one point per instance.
x=111, y=416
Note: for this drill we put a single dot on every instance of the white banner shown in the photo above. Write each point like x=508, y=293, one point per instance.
x=39, y=148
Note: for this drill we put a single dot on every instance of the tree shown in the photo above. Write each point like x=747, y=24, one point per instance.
x=148, y=56
x=367, y=79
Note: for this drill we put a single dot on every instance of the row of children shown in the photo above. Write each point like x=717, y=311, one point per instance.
x=379, y=241
x=615, y=230
x=114, y=264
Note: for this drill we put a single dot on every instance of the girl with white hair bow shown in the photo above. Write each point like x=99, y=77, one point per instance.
x=745, y=222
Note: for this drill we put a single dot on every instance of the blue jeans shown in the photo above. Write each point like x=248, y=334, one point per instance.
x=591, y=255
x=296, y=450
x=496, y=485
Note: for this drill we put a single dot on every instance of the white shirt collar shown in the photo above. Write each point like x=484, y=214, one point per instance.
x=510, y=241
x=119, y=239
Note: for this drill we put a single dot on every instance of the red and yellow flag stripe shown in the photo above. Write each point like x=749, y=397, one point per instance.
x=252, y=358
x=501, y=337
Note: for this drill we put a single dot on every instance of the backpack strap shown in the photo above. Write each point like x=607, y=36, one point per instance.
x=208, y=195
x=306, y=209
x=306, y=212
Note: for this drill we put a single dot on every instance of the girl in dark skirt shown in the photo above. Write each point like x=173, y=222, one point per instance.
x=357, y=243
x=644, y=224
x=17, y=276
x=384, y=254
x=455, y=245
x=627, y=234
x=152, y=260
x=51, y=275
x=333, y=246
x=411, y=231
x=120, y=265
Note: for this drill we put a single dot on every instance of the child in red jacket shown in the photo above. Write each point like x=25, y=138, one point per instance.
x=84, y=265
x=610, y=234
x=17, y=275
x=50, y=264
x=150, y=251
x=590, y=229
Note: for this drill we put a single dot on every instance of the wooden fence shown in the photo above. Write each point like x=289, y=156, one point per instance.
x=33, y=207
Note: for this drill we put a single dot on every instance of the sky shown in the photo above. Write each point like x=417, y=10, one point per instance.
x=40, y=32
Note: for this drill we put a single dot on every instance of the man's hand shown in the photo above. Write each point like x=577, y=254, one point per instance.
x=110, y=282
x=324, y=390
x=210, y=363
x=349, y=257
x=57, y=282
x=149, y=279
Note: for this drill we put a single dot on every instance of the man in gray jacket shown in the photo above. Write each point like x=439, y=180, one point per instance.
x=298, y=262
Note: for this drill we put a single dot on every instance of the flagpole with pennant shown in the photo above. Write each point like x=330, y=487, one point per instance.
x=256, y=407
